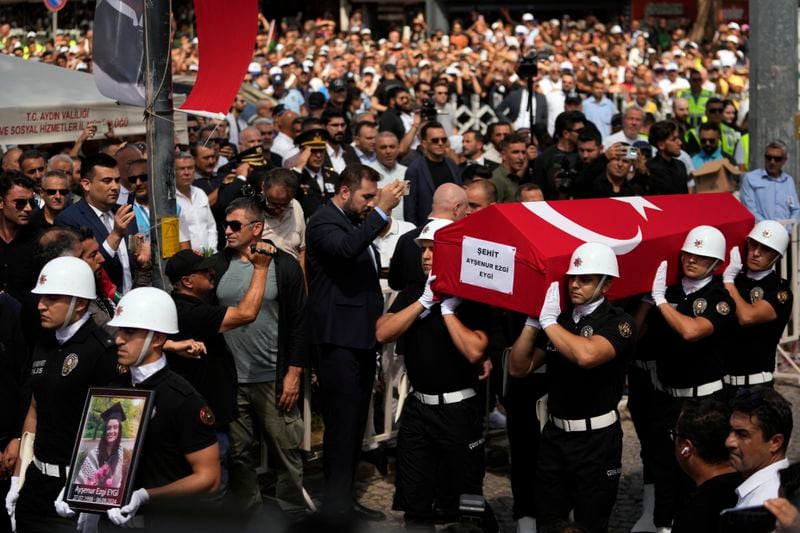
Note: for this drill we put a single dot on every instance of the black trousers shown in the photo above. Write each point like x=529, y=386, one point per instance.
x=522, y=426
x=641, y=398
x=346, y=377
x=440, y=454
x=578, y=470
x=35, y=510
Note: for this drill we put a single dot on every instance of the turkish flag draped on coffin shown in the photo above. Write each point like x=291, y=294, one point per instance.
x=508, y=254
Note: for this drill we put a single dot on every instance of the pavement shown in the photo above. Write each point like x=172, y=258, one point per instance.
x=376, y=492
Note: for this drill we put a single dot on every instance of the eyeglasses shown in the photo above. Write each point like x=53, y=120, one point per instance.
x=673, y=434
x=20, y=204
x=774, y=158
x=276, y=205
x=141, y=177
x=438, y=140
x=708, y=141
x=236, y=226
x=714, y=109
x=52, y=192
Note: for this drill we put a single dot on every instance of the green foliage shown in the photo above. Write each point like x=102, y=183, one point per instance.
x=133, y=412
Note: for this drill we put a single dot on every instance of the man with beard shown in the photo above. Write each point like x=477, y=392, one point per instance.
x=339, y=153
x=399, y=102
x=345, y=302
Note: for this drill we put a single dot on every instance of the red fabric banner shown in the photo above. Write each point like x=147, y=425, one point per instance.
x=226, y=34
x=507, y=254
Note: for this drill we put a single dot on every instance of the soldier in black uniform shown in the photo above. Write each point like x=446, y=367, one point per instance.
x=693, y=318
x=586, y=350
x=316, y=182
x=180, y=455
x=763, y=307
x=440, y=441
x=72, y=354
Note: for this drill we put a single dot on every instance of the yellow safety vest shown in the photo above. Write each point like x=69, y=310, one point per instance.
x=697, y=106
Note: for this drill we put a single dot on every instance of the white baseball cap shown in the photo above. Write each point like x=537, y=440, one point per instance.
x=254, y=68
x=527, y=17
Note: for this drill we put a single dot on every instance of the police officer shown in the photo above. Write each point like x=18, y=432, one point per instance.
x=692, y=319
x=180, y=455
x=586, y=350
x=316, y=182
x=72, y=354
x=440, y=442
x=763, y=306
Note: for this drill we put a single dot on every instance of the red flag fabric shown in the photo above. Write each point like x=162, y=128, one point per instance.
x=226, y=34
x=508, y=254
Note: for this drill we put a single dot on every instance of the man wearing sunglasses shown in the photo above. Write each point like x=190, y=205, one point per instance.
x=55, y=193
x=729, y=137
x=17, y=236
x=427, y=173
x=709, y=146
x=769, y=192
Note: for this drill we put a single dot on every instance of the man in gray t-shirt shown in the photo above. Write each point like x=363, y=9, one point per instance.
x=267, y=390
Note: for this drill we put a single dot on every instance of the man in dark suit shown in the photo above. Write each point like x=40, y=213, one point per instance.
x=339, y=153
x=427, y=173
x=514, y=108
x=110, y=223
x=344, y=303
x=316, y=183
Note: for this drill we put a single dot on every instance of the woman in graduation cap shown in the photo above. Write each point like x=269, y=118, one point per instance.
x=103, y=466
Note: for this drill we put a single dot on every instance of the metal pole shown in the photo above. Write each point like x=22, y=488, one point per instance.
x=55, y=23
x=773, y=79
x=160, y=136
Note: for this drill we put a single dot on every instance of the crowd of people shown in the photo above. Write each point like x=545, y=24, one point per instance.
x=307, y=221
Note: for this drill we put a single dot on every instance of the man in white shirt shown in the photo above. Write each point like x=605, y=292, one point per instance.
x=364, y=136
x=761, y=425
x=632, y=119
x=193, y=206
x=283, y=143
x=387, y=147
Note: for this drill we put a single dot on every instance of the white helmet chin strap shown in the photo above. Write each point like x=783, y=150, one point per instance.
x=145, y=348
x=711, y=268
x=597, y=289
x=70, y=311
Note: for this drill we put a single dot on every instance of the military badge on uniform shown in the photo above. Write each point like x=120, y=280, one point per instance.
x=625, y=329
x=587, y=331
x=756, y=294
x=783, y=296
x=699, y=306
x=70, y=362
x=207, y=416
x=723, y=308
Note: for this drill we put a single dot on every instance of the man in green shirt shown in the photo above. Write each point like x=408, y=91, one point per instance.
x=506, y=177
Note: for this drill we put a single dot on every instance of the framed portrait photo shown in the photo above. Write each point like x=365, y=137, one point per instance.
x=106, y=453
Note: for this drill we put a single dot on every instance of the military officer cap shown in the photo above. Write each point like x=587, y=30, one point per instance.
x=314, y=139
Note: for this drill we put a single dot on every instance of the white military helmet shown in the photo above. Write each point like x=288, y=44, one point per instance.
x=593, y=258
x=706, y=241
x=146, y=308
x=771, y=234
x=429, y=231
x=66, y=276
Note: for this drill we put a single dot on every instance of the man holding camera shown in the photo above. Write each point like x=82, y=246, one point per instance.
x=270, y=357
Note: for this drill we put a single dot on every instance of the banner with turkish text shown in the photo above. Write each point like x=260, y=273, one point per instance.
x=508, y=254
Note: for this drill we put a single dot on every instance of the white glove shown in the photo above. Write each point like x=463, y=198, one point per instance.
x=449, y=305
x=660, y=284
x=11, y=500
x=551, y=307
x=123, y=515
x=533, y=322
x=427, y=295
x=62, y=508
x=734, y=266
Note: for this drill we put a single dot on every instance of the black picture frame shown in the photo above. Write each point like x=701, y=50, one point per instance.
x=101, y=476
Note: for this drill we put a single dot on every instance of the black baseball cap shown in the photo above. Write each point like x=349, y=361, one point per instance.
x=186, y=262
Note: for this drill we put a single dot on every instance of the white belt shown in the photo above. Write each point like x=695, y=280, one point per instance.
x=445, y=397
x=752, y=379
x=644, y=365
x=694, y=392
x=585, y=424
x=49, y=469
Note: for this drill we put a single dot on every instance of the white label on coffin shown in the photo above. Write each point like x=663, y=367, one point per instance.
x=488, y=264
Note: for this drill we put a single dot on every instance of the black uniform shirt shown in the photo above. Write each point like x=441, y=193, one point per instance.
x=433, y=362
x=683, y=364
x=752, y=348
x=700, y=511
x=578, y=393
x=181, y=424
x=60, y=378
x=214, y=374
